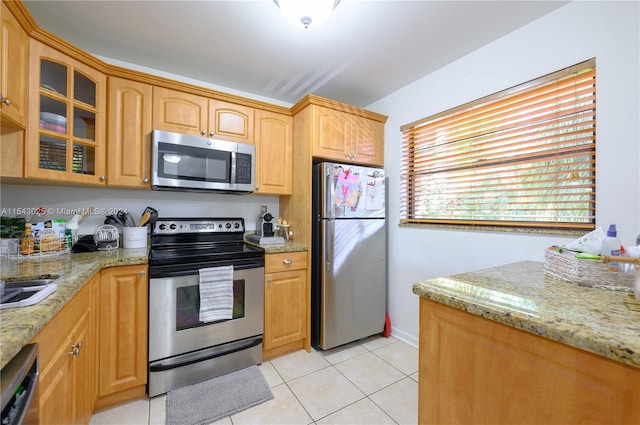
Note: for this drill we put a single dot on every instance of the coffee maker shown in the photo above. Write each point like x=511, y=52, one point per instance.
x=264, y=225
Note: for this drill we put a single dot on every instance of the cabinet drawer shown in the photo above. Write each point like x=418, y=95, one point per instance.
x=285, y=261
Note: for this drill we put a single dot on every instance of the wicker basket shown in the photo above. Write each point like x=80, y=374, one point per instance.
x=564, y=265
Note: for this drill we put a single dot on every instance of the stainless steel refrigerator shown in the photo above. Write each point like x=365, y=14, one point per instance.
x=348, y=287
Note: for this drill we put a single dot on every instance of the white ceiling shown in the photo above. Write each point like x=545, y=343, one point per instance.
x=363, y=52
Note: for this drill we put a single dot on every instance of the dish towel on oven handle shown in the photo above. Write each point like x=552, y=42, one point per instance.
x=216, y=293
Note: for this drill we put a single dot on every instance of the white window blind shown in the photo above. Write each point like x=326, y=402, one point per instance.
x=524, y=157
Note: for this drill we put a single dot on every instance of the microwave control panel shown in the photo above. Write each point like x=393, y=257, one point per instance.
x=243, y=168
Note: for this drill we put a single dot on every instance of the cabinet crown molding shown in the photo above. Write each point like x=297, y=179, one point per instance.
x=31, y=27
x=27, y=22
x=312, y=99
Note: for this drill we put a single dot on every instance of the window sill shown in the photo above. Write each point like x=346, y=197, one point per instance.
x=494, y=229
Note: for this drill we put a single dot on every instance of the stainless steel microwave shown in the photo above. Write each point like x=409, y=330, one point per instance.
x=190, y=163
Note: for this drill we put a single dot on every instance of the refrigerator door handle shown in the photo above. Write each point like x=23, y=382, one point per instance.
x=329, y=194
x=330, y=227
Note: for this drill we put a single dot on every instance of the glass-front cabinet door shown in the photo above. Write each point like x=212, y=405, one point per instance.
x=67, y=118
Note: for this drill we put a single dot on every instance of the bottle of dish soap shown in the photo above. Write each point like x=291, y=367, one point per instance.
x=611, y=246
x=27, y=244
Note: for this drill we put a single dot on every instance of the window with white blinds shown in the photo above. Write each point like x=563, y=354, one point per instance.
x=524, y=157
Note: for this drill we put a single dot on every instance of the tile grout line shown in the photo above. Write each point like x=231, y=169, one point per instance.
x=333, y=365
x=368, y=396
x=372, y=351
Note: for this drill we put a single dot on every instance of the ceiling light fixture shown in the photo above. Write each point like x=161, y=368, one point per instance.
x=309, y=13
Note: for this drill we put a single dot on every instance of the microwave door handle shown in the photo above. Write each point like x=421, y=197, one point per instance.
x=233, y=168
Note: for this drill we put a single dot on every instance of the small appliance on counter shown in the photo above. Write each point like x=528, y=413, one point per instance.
x=264, y=229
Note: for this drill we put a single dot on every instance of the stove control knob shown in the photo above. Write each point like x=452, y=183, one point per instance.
x=228, y=226
x=236, y=225
x=220, y=226
x=172, y=226
x=162, y=226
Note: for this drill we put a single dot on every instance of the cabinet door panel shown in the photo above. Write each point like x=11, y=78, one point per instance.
x=367, y=141
x=129, y=135
x=14, y=67
x=474, y=370
x=81, y=372
x=55, y=387
x=332, y=134
x=274, y=150
x=66, y=140
x=179, y=112
x=285, y=308
x=228, y=121
x=65, y=379
x=123, y=330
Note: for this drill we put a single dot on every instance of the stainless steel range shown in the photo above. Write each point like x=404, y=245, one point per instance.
x=183, y=349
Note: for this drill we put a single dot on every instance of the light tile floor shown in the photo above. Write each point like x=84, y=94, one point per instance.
x=372, y=381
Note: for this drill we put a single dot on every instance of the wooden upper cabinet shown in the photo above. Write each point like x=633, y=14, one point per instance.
x=228, y=121
x=367, y=140
x=129, y=134
x=14, y=71
x=331, y=133
x=67, y=119
x=341, y=136
x=198, y=116
x=274, y=150
x=179, y=112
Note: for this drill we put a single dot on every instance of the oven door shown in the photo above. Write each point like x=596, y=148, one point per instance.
x=174, y=327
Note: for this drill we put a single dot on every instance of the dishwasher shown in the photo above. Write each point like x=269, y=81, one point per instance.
x=19, y=383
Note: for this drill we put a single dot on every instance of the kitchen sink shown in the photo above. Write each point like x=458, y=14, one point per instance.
x=21, y=293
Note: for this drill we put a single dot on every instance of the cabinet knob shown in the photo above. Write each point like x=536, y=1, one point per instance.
x=142, y=273
x=103, y=178
x=5, y=100
x=287, y=261
x=145, y=180
x=211, y=133
x=269, y=280
x=203, y=131
x=75, y=349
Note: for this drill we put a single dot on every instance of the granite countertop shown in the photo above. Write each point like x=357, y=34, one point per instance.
x=19, y=325
x=281, y=247
x=522, y=296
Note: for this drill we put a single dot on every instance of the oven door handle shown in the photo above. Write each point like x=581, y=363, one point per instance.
x=207, y=354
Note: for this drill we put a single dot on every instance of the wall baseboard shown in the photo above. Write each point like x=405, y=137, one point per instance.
x=404, y=337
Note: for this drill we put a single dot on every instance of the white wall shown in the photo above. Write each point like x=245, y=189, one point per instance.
x=57, y=200
x=608, y=31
